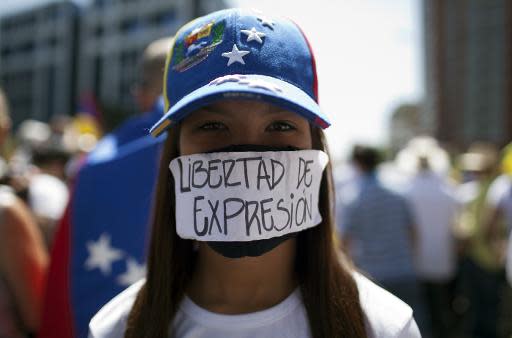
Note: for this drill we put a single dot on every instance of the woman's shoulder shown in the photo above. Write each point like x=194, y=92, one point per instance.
x=110, y=321
x=385, y=314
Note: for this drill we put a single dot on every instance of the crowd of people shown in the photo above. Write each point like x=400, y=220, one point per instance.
x=36, y=166
x=428, y=226
x=433, y=228
x=41, y=164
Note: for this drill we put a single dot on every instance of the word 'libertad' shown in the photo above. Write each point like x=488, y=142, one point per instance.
x=214, y=173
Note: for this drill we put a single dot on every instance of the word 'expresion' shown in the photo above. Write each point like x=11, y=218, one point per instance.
x=257, y=215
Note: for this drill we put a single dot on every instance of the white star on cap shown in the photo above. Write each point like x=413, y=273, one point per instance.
x=235, y=55
x=227, y=78
x=262, y=84
x=266, y=22
x=134, y=272
x=253, y=34
x=101, y=254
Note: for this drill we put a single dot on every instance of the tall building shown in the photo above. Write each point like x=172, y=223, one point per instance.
x=36, y=60
x=468, y=71
x=113, y=34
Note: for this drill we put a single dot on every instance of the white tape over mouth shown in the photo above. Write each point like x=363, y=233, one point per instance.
x=247, y=196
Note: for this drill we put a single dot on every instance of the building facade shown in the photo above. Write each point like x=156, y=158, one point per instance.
x=468, y=71
x=113, y=34
x=37, y=60
x=55, y=55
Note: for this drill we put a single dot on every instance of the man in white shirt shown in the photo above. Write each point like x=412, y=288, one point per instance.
x=434, y=208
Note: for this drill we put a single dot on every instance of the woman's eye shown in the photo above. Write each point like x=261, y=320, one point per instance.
x=212, y=126
x=280, y=126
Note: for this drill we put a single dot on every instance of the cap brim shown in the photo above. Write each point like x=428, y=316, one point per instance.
x=251, y=87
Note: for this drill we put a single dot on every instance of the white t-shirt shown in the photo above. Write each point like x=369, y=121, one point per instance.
x=386, y=317
x=434, y=207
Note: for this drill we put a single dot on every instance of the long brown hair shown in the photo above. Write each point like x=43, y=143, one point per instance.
x=328, y=289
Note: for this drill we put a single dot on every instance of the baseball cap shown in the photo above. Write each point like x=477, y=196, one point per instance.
x=240, y=54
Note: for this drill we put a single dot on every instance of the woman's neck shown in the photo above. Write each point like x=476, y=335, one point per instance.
x=243, y=285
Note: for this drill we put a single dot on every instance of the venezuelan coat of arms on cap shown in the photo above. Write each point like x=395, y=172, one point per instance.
x=197, y=45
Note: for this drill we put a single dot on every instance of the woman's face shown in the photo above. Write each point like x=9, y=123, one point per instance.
x=232, y=122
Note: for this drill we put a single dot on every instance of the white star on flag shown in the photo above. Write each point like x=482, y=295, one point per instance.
x=253, y=34
x=134, y=272
x=101, y=254
x=235, y=55
x=266, y=22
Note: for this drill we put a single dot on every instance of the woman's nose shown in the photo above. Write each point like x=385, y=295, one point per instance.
x=249, y=133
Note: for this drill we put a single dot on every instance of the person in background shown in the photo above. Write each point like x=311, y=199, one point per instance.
x=31, y=136
x=23, y=266
x=480, y=280
x=378, y=230
x=435, y=209
x=499, y=198
x=23, y=259
x=99, y=248
x=5, y=127
x=37, y=172
x=47, y=192
x=499, y=234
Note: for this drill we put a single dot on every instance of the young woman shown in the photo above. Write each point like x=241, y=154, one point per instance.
x=242, y=239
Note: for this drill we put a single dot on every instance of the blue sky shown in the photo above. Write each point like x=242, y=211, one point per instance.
x=368, y=55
